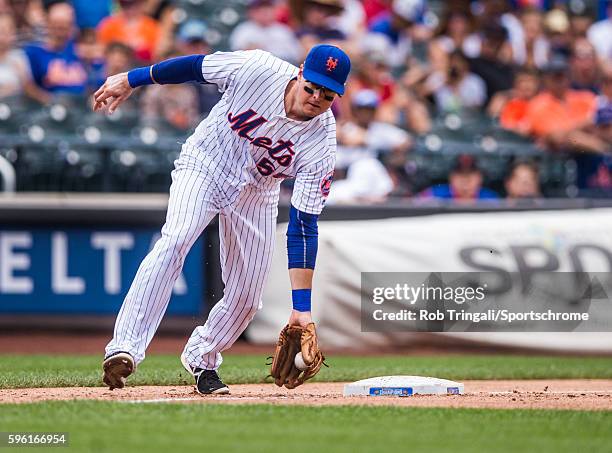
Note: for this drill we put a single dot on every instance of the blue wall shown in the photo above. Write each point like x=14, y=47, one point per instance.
x=85, y=271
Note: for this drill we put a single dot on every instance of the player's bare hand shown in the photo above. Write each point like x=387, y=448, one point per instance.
x=300, y=318
x=112, y=93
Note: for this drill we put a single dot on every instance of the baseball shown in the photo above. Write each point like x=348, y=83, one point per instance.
x=299, y=362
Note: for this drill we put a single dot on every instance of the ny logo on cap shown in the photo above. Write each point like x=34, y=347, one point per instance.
x=331, y=63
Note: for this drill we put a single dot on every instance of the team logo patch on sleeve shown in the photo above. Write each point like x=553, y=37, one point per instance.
x=326, y=184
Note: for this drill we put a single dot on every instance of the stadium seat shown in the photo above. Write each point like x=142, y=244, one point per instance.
x=141, y=169
x=39, y=168
x=220, y=17
x=119, y=124
x=14, y=112
x=83, y=169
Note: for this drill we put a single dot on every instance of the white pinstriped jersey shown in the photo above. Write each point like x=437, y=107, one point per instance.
x=232, y=166
x=248, y=139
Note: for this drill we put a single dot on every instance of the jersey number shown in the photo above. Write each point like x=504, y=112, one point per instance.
x=266, y=166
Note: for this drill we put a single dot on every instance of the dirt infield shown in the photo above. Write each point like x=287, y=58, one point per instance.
x=593, y=394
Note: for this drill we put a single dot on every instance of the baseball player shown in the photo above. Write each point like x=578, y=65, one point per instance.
x=272, y=122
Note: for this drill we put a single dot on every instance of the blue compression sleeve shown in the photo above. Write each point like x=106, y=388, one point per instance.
x=174, y=70
x=302, y=239
x=139, y=77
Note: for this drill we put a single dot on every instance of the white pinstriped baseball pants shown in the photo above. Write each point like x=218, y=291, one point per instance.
x=246, y=231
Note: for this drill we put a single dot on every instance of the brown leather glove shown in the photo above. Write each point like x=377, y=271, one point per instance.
x=294, y=339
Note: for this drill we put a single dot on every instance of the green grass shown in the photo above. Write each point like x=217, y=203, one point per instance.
x=103, y=426
x=66, y=371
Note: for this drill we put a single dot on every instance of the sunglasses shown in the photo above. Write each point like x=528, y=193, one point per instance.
x=324, y=91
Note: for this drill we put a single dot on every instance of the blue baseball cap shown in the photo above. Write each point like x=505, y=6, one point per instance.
x=327, y=66
x=192, y=30
x=366, y=98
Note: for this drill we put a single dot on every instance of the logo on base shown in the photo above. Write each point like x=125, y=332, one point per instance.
x=390, y=391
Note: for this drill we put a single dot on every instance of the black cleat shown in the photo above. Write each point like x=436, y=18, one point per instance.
x=209, y=383
x=117, y=367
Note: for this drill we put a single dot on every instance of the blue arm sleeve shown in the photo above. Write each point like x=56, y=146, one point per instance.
x=302, y=239
x=174, y=70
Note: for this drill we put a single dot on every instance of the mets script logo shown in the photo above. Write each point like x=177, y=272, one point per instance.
x=331, y=63
x=280, y=153
x=326, y=184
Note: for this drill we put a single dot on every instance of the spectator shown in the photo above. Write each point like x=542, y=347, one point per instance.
x=606, y=88
x=176, y=105
x=191, y=40
x=352, y=20
x=600, y=131
x=523, y=181
x=89, y=13
x=458, y=89
x=367, y=181
x=454, y=29
x=29, y=20
x=366, y=137
x=158, y=9
x=263, y=31
x=599, y=34
x=54, y=64
x=603, y=120
x=163, y=12
x=595, y=168
x=464, y=183
x=406, y=110
x=397, y=26
x=374, y=8
x=316, y=22
x=118, y=58
x=132, y=27
x=14, y=68
x=91, y=55
x=495, y=13
x=511, y=106
x=497, y=75
x=584, y=68
x=580, y=22
x=371, y=71
x=594, y=139
x=371, y=68
x=558, y=115
x=533, y=50
x=557, y=25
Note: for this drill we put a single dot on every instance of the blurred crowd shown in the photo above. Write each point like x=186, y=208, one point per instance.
x=541, y=69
